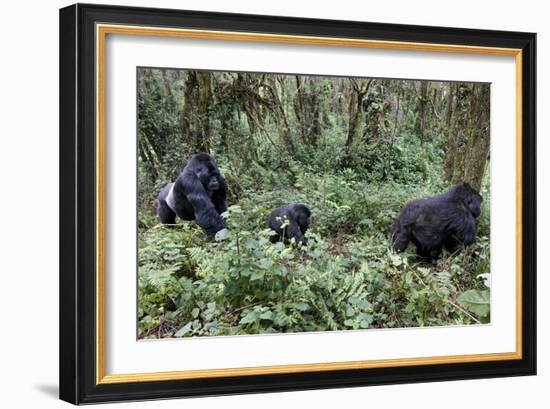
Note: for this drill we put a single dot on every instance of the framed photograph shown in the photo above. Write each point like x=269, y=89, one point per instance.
x=257, y=203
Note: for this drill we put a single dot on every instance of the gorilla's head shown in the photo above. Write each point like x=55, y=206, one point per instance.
x=470, y=197
x=303, y=215
x=207, y=172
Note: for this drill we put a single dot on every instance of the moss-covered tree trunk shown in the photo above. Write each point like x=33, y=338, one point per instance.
x=195, y=116
x=377, y=107
x=279, y=116
x=307, y=109
x=422, y=112
x=469, y=140
x=358, y=92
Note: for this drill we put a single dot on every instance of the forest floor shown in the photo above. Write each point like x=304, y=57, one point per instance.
x=346, y=277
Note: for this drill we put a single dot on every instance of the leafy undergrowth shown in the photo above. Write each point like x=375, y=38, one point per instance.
x=344, y=278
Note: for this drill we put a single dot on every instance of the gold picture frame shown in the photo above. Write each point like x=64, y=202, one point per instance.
x=99, y=21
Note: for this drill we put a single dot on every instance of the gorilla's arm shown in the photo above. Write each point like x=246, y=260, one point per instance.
x=206, y=214
x=399, y=237
x=463, y=227
x=293, y=231
x=401, y=229
x=219, y=197
x=165, y=213
x=302, y=222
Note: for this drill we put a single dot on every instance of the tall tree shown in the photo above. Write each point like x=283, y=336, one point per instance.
x=469, y=139
x=307, y=108
x=358, y=92
x=278, y=114
x=377, y=108
x=421, y=112
x=195, y=114
x=156, y=124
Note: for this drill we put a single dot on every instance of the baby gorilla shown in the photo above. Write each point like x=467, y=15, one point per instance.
x=295, y=216
x=440, y=221
x=198, y=194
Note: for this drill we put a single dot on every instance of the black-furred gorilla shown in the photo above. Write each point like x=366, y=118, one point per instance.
x=198, y=194
x=440, y=221
x=298, y=222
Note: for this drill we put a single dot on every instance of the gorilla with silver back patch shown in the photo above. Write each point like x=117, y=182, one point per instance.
x=445, y=220
x=295, y=216
x=198, y=194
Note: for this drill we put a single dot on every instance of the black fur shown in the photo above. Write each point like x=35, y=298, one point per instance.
x=445, y=220
x=298, y=222
x=199, y=194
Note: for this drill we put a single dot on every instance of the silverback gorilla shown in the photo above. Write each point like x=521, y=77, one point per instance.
x=197, y=194
x=298, y=222
x=440, y=221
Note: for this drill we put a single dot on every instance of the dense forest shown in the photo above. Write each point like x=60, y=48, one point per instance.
x=354, y=150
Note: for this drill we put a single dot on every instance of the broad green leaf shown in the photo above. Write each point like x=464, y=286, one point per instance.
x=267, y=315
x=476, y=301
x=266, y=263
x=250, y=244
x=301, y=306
x=364, y=324
x=222, y=235
x=354, y=300
x=257, y=275
x=184, y=330
x=249, y=318
x=396, y=260
x=366, y=317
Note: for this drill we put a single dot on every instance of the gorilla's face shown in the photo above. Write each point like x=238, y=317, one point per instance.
x=213, y=184
x=470, y=197
x=209, y=175
x=303, y=215
x=473, y=201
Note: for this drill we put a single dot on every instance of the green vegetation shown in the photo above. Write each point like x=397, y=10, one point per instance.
x=354, y=151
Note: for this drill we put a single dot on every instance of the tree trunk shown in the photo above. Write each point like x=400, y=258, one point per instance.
x=195, y=116
x=187, y=112
x=449, y=108
x=377, y=111
x=307, y=110
x=299, y=101
x=359, y=89
x=353, y=113
x=279, y=116
x=421, y=112
x=204, y=100
x=315, y=113
x=469, y=141
x=166, y=81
